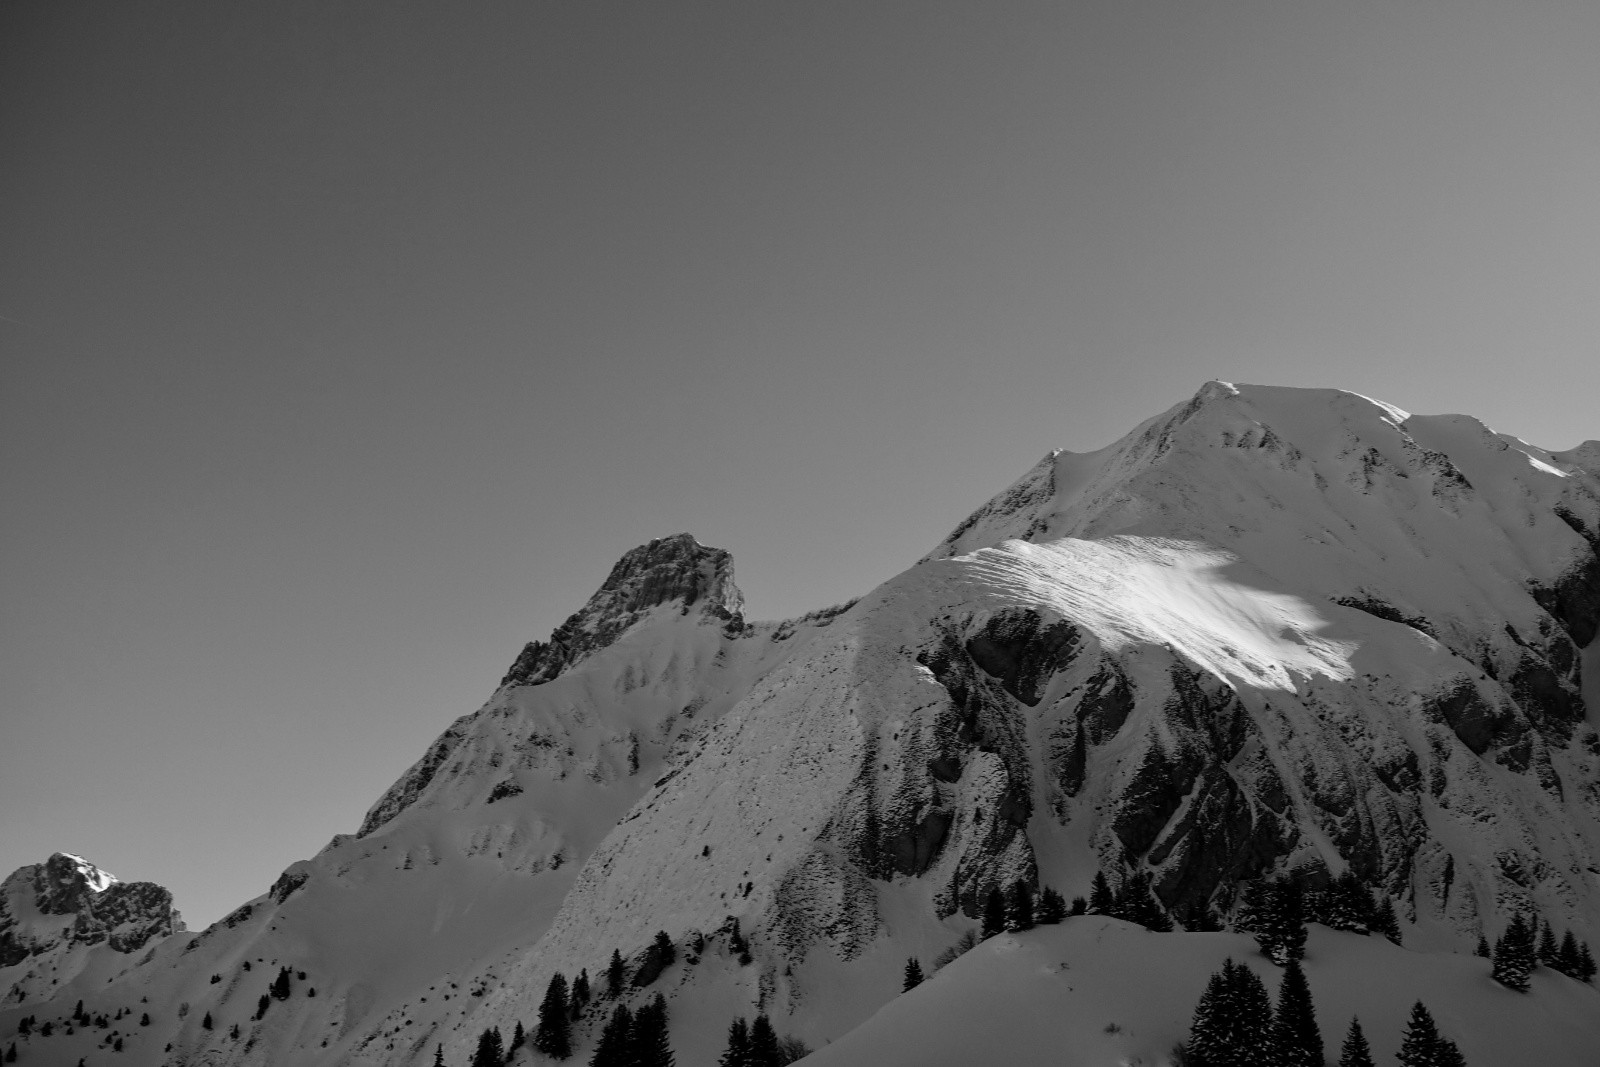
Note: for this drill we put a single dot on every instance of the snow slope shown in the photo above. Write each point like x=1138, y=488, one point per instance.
x=1096, y=991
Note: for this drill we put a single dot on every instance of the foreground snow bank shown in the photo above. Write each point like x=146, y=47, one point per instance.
x=1097, y=991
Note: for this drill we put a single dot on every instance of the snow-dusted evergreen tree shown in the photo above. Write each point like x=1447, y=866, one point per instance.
x=1299, y=1038
x=657, y=958
x=913, y=976
x=1019, y=907
x=1233, y=1024
x=1422, y=1045
x=1136, y=903
x=491, y=1049
x=1483, y=948
x=647, y=1037
x=1385, y=921
x=438, y=1056
x=614, y=1049
x=1052, y=908
x=578, y=996
x=1548, y=948
x=1343, y=905
x=1101, y=901
x=1355, y=1052
x=553, y=1035
x=764, y=1050
x=616, y=974
x=1514, y=955
x=994, y=912
x=737, y=1054
x=1272, y=911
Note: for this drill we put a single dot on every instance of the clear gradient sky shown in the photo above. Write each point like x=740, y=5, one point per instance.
x=343, y=347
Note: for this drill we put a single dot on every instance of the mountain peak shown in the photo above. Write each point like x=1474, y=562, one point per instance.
x=665, y=570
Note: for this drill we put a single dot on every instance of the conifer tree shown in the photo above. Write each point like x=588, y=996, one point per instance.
x=764, y=1051
x=280, y=984
x=1101, y=902
x=491, y=1050
x=1586, y=968
x=738, y=1050
x=578, y=998
x=647, y=1038
x=1052, y=908
x=11, y=1052
x=1548, y=949
x=1019, y=907
x=1079, y=906
x=553, y=1035
x=1385, y=921
x=1299, y=1038
x=1513, y=955
x=1355, y=1052
x=913, y=975
x=1420, y=1045
x=1567, y=956
x=1233, y=1023
x=1483, y=948
x=438, y=1056
x=519, y=1037
x=616, y=974
x=657, y=958
x=614, y=1047
x=1345, y=905
x=206, y=1022
x=994, y=913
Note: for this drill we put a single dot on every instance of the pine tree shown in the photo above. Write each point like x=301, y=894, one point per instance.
x=1585, y=963
x=1483, y=948
x=1233, y=1024
x=578, y=998
x=1019, y=907
x=11, y=1053
x=1513, y=955
x=764, y=1050
x=614, y=1046
x=206, y=1022
x=1079, y=906
x=1567, y=961
x=994, y=913
x=1548, y=949
x=1052, y=908
x=553, y=1035
x=738, y=1051
x=519, y=1037
x=1385, y=921
x=491, y=1050
x=1299, y=1039
x=913, y=975
x=438, y=1056
x=262, y=1005
x=647, y=1040
x=1345, y=905
x=657, y=958
x=1101, y=902
x=280, y=985
x=144, y=1019
x=1355, y=1052
x=616, y=974
x=1420, y=1045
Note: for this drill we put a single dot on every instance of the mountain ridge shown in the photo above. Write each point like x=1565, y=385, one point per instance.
x=1268, y=632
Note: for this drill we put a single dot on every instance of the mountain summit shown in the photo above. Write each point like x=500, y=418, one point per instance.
x=1270, y=634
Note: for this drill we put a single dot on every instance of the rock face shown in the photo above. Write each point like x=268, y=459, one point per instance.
x=67, y=901
x=668, y=569
x=1269, y=632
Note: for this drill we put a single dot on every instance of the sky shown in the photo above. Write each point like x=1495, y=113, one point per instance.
x=344, y=347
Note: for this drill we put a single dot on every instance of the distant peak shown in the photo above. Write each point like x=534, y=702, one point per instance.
x=665, y=570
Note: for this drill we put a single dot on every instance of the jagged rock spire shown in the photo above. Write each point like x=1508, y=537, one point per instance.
x=667, y=569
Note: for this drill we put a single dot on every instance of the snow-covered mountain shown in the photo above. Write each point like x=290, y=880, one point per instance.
x=1271, y=631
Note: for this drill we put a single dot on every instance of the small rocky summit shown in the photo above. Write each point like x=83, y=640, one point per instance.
x=67, y=901
x=664, y=571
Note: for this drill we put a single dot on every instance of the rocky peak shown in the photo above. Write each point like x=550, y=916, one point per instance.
x=96, y=906
x=676, y=569
x=65, y=884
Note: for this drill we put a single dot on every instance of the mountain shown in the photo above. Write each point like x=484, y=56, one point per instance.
x=1271, y=632
x=53, y=915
